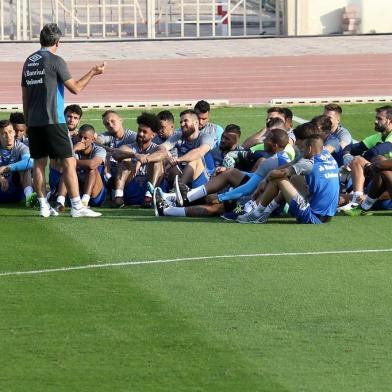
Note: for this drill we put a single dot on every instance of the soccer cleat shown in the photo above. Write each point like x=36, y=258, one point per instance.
x=84, y=213
x=230, y=216
x=249, y=217
x=170, y=198
x=159, y=203
x=181, y=191
x=118, y=202
x=60, y=207
x=357, y=211
x=263, y=218
x=347, y=207
x=254, y=216
x=47, y=211
x=31, y=200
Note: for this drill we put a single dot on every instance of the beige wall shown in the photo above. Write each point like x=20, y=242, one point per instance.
x=376, y=16
x=317, y=17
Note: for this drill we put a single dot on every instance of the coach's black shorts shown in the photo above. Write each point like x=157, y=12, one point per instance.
x=50, y=141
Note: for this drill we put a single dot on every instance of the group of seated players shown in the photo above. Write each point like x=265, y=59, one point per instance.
x=201, y=169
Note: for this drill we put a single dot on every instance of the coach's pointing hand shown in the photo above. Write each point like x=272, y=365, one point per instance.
x=99, y=69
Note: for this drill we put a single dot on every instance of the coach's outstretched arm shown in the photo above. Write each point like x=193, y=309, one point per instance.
x=76, y=86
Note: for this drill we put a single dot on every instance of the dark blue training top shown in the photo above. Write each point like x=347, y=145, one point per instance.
x=43, y=76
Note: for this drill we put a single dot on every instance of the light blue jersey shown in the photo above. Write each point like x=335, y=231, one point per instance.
x=322, y=176
x=213, y=129
x=183, y=146
x=111, y=141
x=335, y=139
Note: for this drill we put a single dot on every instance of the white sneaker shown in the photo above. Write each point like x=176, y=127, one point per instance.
x=84, y=212
x=47, y=211
x=347, y=207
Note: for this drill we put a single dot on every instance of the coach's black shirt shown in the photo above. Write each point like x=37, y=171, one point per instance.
x=44, y=74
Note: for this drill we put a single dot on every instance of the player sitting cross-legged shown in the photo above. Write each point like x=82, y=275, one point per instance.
x=138, y=163
x=90, y=159
x=322, y=179
x=15, y=168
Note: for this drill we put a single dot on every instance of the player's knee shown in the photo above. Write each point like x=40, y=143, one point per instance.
x=358, y=162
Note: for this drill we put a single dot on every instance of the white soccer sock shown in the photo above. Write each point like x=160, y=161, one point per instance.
x=76, y=203
x=119, y=193
x=28, y=191
x=356, y=195
x=43, y=202
x=174, y=211
x=85, y=199
x=61, y=200
x=249, y=206
x=197, y=193
x=271, y=207
x=368, y=203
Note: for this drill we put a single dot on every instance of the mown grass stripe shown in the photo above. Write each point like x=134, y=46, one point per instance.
x=196, y=258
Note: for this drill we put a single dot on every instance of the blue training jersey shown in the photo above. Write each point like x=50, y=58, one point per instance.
x=323, y=183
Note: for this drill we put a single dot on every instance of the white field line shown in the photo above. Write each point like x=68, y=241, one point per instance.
x=196, y=258
x=299, y=120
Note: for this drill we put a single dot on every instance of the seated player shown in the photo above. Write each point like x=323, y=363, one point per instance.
x=19, y=124
x=203, y=108
x=230, y=141
x=361, y=154
x=379, y=189
x=322, y=178
x=166, y=130
x=284, y=114
x=166, y=120
x=190, y=147
x=324, y=125
x=73, y=114
x=249, y=160
x=242, y=182
x=90, y=159
x=114, y=137
x=138, y=164
x=338, y=131
x=15, y=168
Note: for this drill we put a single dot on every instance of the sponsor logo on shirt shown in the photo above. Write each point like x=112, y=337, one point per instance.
x=35, y=57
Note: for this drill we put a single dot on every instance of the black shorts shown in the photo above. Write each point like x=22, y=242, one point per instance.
x=50, y=140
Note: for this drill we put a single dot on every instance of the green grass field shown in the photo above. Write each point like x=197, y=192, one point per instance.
x=253, y=318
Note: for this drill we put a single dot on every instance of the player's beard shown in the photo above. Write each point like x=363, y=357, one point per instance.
x=380, y=128
x=189, y=131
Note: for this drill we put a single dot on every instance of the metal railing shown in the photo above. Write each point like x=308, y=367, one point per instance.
x=118, y=19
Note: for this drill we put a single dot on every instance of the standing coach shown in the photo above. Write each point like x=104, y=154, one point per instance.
x=43, y=79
